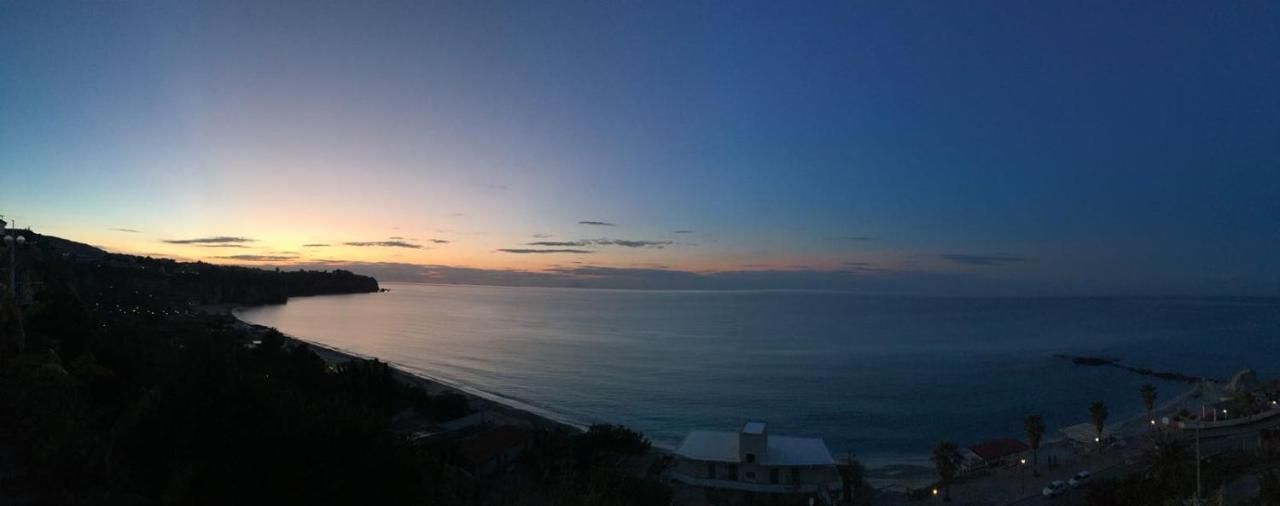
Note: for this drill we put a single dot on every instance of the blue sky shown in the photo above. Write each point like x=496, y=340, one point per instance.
x=997, y=147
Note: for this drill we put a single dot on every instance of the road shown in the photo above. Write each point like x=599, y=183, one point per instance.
x=1223, y=442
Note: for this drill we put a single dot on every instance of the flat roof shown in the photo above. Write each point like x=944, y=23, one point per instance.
x=713, y=446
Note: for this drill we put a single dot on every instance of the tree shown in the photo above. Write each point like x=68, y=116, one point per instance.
x=945, y=457
x=1269, y=487
x=1166, y=460
x=1247, y=404
x=1149, y=398
x=1098, y=411
x=1034, y=427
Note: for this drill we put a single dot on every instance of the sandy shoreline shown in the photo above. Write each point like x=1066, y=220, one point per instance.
x=497, y=411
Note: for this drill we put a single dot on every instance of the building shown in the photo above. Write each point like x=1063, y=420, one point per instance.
x=751, y=460
x=996, y=452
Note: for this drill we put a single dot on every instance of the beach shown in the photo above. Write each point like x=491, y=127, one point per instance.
x=495, y=412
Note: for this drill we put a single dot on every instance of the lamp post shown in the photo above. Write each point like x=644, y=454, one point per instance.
x=13, y=243
x=1199, y=422
x=1023, y=462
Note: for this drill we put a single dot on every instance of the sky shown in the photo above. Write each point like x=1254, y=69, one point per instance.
x=1003, y=147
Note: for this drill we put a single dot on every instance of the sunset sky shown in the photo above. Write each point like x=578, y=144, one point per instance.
x=916, y=147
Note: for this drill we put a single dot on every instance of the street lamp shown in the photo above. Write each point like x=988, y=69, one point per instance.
x=1023, y=474
x=13, y=243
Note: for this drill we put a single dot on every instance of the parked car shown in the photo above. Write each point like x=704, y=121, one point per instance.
x=1057, y=487
x=1081, y=479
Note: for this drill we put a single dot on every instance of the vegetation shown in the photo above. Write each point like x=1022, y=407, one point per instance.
x=946, y=458
x=1034, y=427
x=856, y=487
x=1168, y=475
x=1098, y=412
x=587, y=469
x=116, y=390
x=1148, y=392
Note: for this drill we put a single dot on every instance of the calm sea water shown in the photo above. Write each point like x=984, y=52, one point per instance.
x=883, y=377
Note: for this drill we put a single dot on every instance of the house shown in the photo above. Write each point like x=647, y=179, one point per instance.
x=995, y=452
x=491, y=451
x=751, y=460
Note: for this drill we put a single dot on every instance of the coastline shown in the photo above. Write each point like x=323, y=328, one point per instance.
x=883, y=472
x=500, y=411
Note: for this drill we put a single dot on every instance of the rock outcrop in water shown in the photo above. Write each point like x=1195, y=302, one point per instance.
x=1086, y=360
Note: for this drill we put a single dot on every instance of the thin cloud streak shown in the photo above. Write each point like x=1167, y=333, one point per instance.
x=984, y=260
x=604, y=242
x=524, y=251
x=597, y=223
x=222, y=239
x=259, y=258
x=383, y=244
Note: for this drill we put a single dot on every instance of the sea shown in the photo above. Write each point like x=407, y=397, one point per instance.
x=880, y=378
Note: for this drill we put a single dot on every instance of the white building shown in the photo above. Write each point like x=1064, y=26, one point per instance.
x=751, y=460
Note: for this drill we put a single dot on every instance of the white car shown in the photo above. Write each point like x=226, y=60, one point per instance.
x=1080, y=479
x=1057, y=487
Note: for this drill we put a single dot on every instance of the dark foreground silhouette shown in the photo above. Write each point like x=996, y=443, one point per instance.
x=116, y=389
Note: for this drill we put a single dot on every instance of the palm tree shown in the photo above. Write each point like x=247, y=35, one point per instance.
x=1149, y=398
x=1098, y=411
x=944, y=458
x=1035, y=430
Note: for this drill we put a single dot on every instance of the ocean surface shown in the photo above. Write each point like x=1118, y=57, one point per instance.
x=882, y=377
